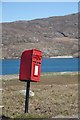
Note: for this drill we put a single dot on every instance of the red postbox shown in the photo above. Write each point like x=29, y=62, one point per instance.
x=30, y=65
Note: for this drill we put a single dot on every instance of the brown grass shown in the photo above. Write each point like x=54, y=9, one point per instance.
x=55, y=95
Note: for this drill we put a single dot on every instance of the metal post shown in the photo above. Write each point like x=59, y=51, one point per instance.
x=27, y=96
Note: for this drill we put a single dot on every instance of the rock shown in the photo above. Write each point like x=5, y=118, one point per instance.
x=23, y=92
x=31, y=93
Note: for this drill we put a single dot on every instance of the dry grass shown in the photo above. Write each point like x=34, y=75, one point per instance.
x=55, y=95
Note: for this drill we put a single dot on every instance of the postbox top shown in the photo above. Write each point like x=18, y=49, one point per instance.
x=33, y=51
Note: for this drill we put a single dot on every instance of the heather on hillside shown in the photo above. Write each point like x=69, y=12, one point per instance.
x=55, y=36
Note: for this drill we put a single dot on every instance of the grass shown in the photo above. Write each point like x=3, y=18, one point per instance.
x=28, y=115
x=55, y=94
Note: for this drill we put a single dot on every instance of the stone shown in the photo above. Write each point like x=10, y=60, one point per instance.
x=23, y=92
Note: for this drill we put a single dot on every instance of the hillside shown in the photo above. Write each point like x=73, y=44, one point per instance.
x=55, y=36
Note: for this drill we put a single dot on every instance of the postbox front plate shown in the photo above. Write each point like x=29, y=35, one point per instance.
x=36, y=65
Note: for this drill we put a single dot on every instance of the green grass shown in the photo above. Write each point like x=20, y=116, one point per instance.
x=28, y=115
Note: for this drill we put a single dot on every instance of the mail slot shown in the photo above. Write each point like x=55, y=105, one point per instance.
x=30, y=65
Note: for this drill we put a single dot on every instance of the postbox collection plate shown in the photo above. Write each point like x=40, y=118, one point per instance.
x=36, y=70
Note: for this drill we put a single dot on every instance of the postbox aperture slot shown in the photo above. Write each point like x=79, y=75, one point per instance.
x=34, y=61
